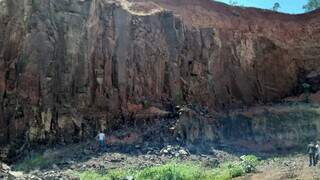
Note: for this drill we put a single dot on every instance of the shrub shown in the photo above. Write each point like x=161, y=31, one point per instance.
x=236, y=170
x=230, y=170
x=249, y=163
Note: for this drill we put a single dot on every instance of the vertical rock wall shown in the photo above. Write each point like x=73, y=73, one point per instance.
x=70, y=67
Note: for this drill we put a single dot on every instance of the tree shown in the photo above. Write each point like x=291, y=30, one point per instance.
x=276, y=6
x=233, y=3
x=312, y=5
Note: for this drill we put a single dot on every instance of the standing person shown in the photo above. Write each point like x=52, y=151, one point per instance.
x=312, y=153
x=101, y=137
x=317, y=152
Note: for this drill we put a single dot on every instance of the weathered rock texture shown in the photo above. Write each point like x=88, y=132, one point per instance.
x=69, y=67
x=261, y=128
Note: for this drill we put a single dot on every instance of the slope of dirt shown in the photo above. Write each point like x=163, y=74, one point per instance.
x=285, y=168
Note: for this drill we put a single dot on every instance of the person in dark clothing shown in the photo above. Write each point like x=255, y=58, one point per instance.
x=312, y=154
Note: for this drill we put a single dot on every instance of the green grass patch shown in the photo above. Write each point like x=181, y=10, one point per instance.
x=170, y=171
x=179, y=171
x=117, y=174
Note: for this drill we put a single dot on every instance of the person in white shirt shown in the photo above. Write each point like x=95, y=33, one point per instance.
x=101, y=137
x=317, y=152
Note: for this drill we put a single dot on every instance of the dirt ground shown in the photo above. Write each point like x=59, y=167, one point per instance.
x=294, y=167
x=67, y=161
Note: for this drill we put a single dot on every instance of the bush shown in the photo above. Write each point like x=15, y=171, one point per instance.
x=249, y=163
x=236, y=170
x=229, y=171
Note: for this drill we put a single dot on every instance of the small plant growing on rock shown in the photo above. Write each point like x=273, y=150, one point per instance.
x=146, y=104
x=306, y=91
x=178, y=99
x=249, y=163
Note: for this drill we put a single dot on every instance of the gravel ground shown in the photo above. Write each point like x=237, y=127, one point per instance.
x=285, y=168
x=65, y=163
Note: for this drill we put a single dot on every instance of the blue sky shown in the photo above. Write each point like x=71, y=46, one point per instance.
x=287, y=6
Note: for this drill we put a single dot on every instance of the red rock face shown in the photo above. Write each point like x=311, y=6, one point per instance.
x=69, y=68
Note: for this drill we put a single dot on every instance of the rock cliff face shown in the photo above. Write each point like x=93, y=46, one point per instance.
x=69, y=67
x=261, y=129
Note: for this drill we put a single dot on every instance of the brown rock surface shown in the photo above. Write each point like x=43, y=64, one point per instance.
x=69, y=67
